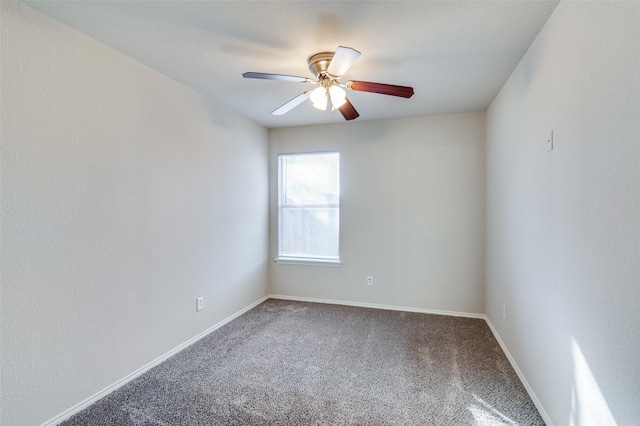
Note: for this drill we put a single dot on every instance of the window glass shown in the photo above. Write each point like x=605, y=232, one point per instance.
x=309, y=209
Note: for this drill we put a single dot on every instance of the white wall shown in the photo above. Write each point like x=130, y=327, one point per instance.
x=124, y=197
x=412, y=212
x=563, y=227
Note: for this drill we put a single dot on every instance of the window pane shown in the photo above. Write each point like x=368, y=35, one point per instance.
x=311, y=178
x=309, y=197
x=309, y=232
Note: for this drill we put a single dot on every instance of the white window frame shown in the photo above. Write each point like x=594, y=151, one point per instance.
x=311, y=260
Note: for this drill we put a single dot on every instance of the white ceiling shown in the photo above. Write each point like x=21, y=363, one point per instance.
x=456, y=55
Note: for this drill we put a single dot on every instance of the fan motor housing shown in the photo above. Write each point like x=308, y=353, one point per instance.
x=319, y=63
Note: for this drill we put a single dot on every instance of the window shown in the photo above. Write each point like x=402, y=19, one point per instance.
x=309, y=208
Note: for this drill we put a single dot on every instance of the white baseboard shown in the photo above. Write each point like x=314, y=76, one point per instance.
x=521, y=376
x=512, y=361
x=87, y=402
x=93, y=398
x=378, y=306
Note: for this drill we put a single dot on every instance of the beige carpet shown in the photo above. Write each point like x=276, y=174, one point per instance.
x=295, y=363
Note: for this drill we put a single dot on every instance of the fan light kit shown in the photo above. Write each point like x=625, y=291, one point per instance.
x=328, y=68
x=325, y=91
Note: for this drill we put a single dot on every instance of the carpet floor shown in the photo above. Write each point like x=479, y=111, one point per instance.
x=297, y=363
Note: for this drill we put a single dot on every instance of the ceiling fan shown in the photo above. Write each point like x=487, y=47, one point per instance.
x=329, y=67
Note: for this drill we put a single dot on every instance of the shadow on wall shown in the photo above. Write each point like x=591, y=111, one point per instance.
x=588, y=405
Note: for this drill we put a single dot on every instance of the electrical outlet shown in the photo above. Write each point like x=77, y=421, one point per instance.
x=504, y=312
x=199, y=303
x=369, y=280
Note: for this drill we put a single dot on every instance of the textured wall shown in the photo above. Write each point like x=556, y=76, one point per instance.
x=563, y=227
x=412, y=212
x=124, y=197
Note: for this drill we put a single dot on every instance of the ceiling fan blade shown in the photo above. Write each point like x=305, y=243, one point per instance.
x=348, y=111
x=342, y=61
x=384, y=89
x=292, y=103
x=280, y=77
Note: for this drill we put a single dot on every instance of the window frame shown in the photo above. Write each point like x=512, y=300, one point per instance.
x=309, y=260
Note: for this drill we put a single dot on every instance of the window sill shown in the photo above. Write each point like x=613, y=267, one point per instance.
x=307, y=262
